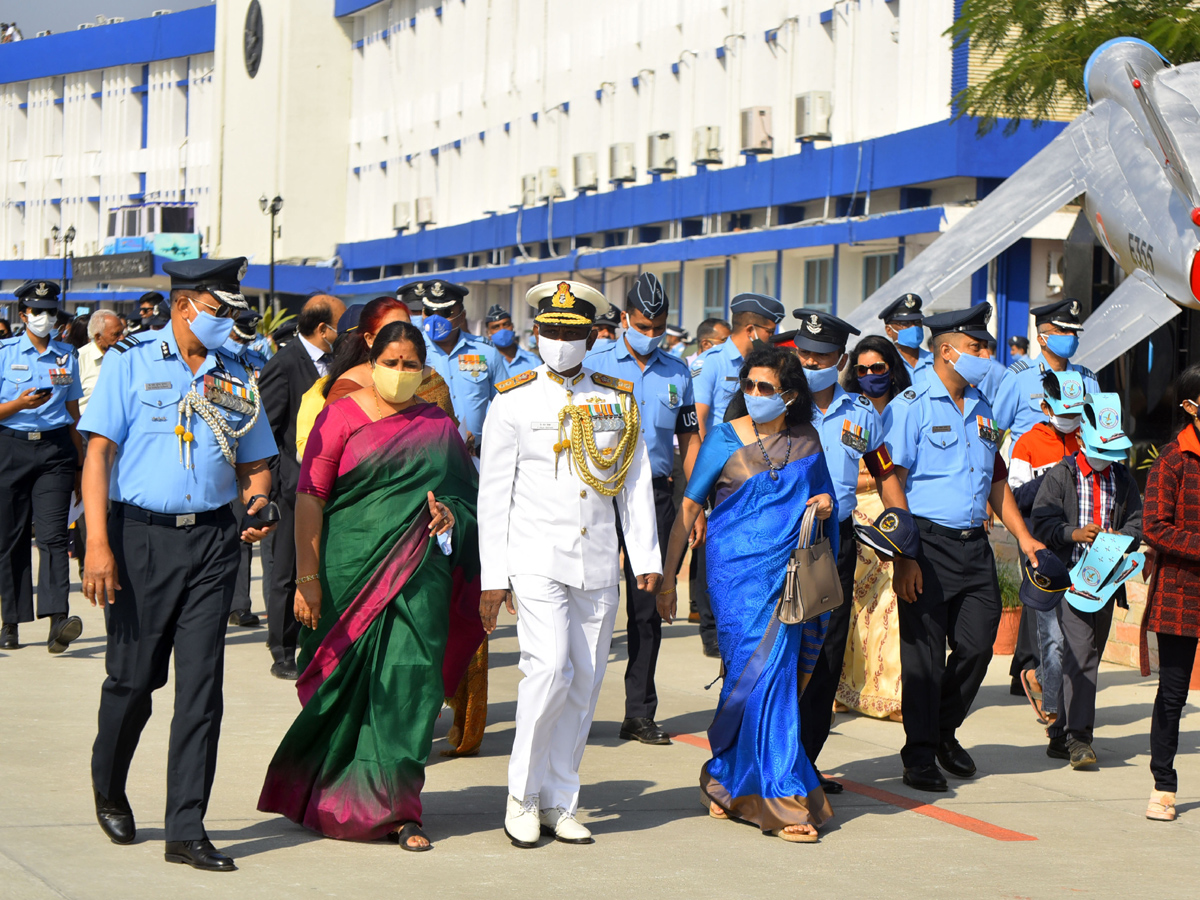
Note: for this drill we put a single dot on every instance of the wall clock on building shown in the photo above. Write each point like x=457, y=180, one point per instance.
x=253, y=39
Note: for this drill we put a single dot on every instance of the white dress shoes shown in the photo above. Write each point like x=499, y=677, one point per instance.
x=564, y=827
x=521, y=822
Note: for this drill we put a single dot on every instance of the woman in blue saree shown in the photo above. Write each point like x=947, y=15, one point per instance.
x=761, y=470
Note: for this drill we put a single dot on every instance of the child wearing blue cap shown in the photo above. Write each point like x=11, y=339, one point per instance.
x=1087, y=493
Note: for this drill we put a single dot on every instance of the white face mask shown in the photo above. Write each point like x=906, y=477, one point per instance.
x=1065, y=424
x=1098, y=465
x=39, y=324
x=562, y=356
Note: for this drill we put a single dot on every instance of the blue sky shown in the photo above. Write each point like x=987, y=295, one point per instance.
x=64, y=15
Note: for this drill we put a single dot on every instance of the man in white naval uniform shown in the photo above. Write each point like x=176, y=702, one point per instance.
x=559, y=444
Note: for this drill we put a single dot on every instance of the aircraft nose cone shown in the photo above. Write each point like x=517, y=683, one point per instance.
x=1196, y=215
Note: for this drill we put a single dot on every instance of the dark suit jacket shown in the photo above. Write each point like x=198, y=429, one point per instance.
x=284, y=380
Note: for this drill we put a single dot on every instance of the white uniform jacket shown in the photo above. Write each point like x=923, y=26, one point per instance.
x=533, y=521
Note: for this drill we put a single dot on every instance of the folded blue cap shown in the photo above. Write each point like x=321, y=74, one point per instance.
x=893, y=533
x=1042, y=588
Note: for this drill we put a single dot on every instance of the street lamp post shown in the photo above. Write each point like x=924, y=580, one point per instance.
x=272, y=208
x=66, y=239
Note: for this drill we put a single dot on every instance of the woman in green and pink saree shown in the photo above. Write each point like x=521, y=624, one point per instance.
x=388, y=591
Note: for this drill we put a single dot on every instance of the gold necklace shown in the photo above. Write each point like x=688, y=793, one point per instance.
x=378, y=408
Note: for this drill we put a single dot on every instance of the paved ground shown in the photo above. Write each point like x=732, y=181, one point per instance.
x=1029, y=827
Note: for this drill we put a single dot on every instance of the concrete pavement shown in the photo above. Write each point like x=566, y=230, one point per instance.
x=1027, y=827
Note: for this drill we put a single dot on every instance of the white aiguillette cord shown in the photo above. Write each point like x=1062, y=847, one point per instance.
x=193, y=403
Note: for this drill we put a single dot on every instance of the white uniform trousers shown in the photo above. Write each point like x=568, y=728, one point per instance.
x=564, y=634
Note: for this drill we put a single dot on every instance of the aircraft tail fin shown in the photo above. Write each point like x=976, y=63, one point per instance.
x=1134, y=311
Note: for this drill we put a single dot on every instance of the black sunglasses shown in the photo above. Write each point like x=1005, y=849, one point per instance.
x=765, y=388
x=879, y=368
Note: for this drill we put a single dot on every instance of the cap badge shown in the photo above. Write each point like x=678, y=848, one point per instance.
x=419, y=289
x=1074, y=307
x=436, y=289
x=1041, y=580
x=564, y=299
x=242, y=271
x=42, y=290
x=889, y=523
x=910, y=301
x=814, y=324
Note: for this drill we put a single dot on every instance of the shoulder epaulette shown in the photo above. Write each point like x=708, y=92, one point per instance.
x=1087, y=373
x=126, y=343
x=625, y=387
x=861, y=400
x=517, y=381
x=911, y=394
x=1019, y=366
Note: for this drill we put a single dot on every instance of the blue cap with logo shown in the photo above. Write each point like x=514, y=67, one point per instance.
x=905, y=309
x=1063, y=392
x=1101, y=430
x=38, y=294
x=759, y=305
x=893, y=533
x=820, y=332
x=1042, y=588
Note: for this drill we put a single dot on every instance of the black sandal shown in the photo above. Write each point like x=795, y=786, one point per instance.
x=408, y=831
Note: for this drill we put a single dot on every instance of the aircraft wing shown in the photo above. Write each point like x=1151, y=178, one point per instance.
x=1053, y=178
x=1134, y=311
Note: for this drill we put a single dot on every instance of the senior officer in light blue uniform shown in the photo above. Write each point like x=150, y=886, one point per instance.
x=715, y=371
x=944, y=444
x=662, y=387
x=175, y=434
x=470, y=365
x=40, y=456
x=902, y=324
x=503, y=336
x=1018, y=402
x=851, y=430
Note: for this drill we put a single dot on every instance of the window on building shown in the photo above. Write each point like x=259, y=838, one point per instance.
x=818, y=284
x=876, y=270
x=670, y=283
x=714, y=292
x=178, y=219
x=762, y=278
x=131, y=223
x=112, y=223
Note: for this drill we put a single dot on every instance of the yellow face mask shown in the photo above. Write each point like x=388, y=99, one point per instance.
x=396, y=385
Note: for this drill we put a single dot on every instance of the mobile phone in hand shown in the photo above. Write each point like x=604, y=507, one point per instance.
x=43, y=392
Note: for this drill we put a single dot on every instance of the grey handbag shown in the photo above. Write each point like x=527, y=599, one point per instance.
x=812, y=585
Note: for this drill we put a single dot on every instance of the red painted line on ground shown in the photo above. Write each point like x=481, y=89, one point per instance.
x=958, y=820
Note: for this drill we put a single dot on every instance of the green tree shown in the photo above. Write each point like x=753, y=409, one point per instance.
x=1044, y=45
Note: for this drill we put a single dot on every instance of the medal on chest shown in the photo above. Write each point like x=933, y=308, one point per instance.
x=60, y=377
x=988, y=430
x=606, y=416
x=472, y=362
x=223, y=391
x=672, y=396
x=855, y=436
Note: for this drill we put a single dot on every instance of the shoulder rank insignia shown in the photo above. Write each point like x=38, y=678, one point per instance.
x=125, y=344
x=517, y=381
x=1019, y=366
x=1087, y=373
x=625, y=387
x=910, y=394
x=862, y=401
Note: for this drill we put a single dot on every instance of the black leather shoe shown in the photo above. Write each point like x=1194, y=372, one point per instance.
x=829, y=786
x=712, y=650
x=925, y=778
x=954, y=759
x=285, y=669
x=244, y=619
x=199, y=855
x=1057, y=748
x=63, y=630
x=8, y=638
x=115, y=818
x=644, y=729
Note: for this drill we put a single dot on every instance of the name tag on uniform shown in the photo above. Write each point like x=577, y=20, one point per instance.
x=855, y=436
x=937, y=428
x=60, y=377
x=732, y=378
x=988, y=430
x=19, y=367
x=543, y=426
x=226, y=393
x=606, y=416
x=472, y=362
x=159, y=385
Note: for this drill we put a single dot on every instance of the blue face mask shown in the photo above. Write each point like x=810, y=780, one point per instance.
x=875, y=385
x=973, y=369
x=911, y=336
x=208, y=329
x=642, y=344
x=819, y=379
x=437, y=327
x=233, y=347
x=504, y=337
x=765, y=409
x=1062, y=345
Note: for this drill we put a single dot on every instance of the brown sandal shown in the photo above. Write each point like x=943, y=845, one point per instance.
x=795, y=837
x=715, y=812
x=1161, y=807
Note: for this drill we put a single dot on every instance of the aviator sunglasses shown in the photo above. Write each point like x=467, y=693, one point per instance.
x=878, y=368
x=765, y=388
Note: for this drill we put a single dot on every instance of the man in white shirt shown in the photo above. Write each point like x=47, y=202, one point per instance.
x=104, y=328
x=560, y=443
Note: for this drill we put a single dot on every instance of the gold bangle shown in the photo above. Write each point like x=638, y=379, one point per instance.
x=305, y=579
x=670, y=591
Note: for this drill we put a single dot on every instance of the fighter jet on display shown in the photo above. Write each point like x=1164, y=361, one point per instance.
x=1133, y=156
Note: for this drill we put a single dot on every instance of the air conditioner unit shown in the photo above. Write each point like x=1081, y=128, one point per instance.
x=620, y=163
x=83, y=25
x=757, y=136
x=548, y=185
x=812, y=115
x=101, y=20
x=161, y=12
x=529, y=190
x=402, y=215
x=706, y=145
x=586, y=176
x=424, y=210
x=42, y=33
x=1054, y=273
x=116, y=20
x=660, y=152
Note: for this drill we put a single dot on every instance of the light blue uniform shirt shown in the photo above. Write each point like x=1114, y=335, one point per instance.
x=22, y=368
x=1018, y=402
x=949, y=464
x=522, y=362
x=262, y=346
x=663, y=391
x=472, y=369
x=988, y=386
x=135, y=405
x=715, y=379
x=924, y=360
x=602, y=345
x=841, y=456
